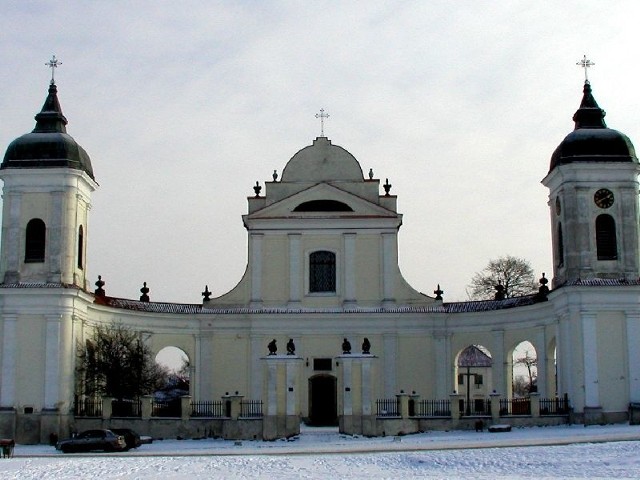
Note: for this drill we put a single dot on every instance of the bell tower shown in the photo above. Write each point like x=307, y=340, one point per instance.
x=593, y=200
x=48, y=181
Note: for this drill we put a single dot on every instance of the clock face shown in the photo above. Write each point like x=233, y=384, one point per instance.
x=603, y=198
x=558, y=207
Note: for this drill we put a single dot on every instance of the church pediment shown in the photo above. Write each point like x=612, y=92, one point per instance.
x=321, y=201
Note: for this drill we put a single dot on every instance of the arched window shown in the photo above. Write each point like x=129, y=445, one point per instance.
x=560, y=246
x=35, y=241
x=606, y=242
x=80, y=248
x=322, y=272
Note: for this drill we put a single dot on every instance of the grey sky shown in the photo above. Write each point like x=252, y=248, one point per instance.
x=182, y=106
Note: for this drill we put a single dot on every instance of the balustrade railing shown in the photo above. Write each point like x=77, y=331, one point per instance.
x=251, y=408
x=87, y=407
x=387, y=407
x=476, y=407
x=515, y=406
x=212, y=408
x=433, y=408
x=126, y=408
x=554, y=406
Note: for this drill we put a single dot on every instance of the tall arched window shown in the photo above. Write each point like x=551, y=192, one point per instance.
x=80, y=248
x=35, y=241
x=606, y=243
x=560, y=246
x=322, y=272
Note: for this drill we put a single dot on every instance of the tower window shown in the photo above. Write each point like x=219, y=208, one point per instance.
x=80, y=248
x=322, y=272
x=606, y=242
x=35, y=241
x=560, y=246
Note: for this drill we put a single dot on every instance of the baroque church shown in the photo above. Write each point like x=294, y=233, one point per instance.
x=307, y=335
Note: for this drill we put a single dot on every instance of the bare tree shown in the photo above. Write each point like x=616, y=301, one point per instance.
x=514, y=274
x=115, y=362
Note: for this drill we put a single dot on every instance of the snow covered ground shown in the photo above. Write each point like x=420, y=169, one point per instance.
x=551, y=452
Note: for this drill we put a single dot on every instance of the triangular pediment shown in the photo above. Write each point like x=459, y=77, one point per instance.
x=307, y=204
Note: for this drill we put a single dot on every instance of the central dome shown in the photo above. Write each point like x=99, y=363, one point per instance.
x=322, y=162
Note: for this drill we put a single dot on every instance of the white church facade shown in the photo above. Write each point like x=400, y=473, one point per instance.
x=323, y=280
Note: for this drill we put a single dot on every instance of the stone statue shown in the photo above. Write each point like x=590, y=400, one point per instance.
x=291, y=347
x=272, y=347
x=366, y=346
x=346, y=347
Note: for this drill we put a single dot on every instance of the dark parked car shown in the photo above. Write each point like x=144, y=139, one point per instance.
x=93, y=440
x=131, y=438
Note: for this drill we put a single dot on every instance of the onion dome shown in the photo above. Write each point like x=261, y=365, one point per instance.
x=592, y=141
x=48, y=145
x=322, y=162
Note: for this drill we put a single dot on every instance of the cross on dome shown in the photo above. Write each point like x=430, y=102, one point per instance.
x=53, y=64
x=585, y=63
x=322, y=116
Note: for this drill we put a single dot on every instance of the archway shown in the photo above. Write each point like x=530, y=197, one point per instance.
x=175, y=367
x=473, y=379
x=323, y=404
x=524, y=372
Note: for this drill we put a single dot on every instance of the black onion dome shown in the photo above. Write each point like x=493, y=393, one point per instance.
x=48, y=145
x=592, y=141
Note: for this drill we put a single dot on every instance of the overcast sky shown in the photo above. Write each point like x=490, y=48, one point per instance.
x=183, y=106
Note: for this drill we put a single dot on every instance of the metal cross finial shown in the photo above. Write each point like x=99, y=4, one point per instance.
x=322, y=116
x=585, y=63
x=53, y=64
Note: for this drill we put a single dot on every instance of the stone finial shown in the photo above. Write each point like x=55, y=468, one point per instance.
x=275, y=175
x=500, y=293
x=257, y=188
x=371, y=174
x=543, y=291
x=387, y=187
x=144, y=290
x=100, y=291
x=206, y=294
x=438, y=292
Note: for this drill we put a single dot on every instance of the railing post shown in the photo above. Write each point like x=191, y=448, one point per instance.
x=403, y=404
x=146, y=407
x=455, y=408
x=185, y=407
x=106, y=407
x=235, y=405
x=495, y=407
x=534, y=398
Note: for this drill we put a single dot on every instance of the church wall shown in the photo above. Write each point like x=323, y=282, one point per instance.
x=415, y=370
x=368, y=268
x=612, y=362
x=229, y=365
x=275, y=270
x=30, y=361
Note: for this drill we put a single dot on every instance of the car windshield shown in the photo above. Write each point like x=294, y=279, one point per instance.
x=91, y=434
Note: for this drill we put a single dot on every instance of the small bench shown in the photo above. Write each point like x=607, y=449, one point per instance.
x=500, y=428
x=6, y=445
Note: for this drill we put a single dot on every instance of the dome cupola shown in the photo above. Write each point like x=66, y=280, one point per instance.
x=591, y=140
x=48, y=145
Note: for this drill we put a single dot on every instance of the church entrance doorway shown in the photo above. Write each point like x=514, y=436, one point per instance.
x=323, y=405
